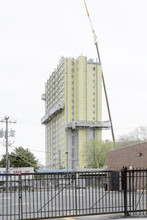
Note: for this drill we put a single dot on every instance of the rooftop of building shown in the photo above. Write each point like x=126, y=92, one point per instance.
x=126, y=147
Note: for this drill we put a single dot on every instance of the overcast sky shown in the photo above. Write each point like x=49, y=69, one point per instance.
x=34, y=34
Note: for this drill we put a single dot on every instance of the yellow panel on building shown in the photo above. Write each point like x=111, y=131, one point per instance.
x=73, y=101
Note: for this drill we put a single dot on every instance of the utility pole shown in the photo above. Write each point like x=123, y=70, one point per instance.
x=6, y=136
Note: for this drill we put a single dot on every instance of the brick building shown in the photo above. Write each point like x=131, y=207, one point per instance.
x=131, y=157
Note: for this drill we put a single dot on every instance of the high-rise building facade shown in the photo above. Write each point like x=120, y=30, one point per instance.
x=73, y=112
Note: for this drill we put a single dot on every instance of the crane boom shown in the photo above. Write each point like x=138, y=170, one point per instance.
x=103, y=80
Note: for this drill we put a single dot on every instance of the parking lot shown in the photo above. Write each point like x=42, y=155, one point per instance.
x=70, y=195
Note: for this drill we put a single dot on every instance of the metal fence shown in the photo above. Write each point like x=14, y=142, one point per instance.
x=53, y=195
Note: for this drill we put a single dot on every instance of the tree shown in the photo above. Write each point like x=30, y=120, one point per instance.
x=20, y=158
x=138, y=135
x=96, y=153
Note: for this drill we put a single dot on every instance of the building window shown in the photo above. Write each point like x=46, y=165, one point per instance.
x=93, y=68
x=93, y=81
x=94, y=74
x=93, y=112
x=93, y=118
x=93, y=100
x=93, y=93
x=93, y=106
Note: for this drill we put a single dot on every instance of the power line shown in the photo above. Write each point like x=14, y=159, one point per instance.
x=16, y=148
x=33, y=150
x=23, y=158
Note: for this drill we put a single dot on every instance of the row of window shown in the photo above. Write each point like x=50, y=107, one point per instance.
x=52, y=103
x=93, y=93
x=55, y=99
x=57, y=121
x=53, y=89
x=56, y=75
x=58, y=129
x=54, y=148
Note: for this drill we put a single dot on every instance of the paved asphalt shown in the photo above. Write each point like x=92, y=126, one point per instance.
x=104, y=217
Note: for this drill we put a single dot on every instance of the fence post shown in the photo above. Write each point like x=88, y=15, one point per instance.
x=20, y=197
x=124, y=188
x=76, y=192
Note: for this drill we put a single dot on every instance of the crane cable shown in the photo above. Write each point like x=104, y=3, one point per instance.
x=105, y=91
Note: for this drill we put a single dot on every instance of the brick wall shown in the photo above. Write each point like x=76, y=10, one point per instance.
x=131, y=157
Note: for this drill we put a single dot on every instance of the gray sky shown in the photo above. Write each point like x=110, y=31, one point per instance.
x=34, y=34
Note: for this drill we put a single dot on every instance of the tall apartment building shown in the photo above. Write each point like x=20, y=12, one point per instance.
x=73, y=112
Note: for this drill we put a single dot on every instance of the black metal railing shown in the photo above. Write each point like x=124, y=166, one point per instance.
x=53, y=195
